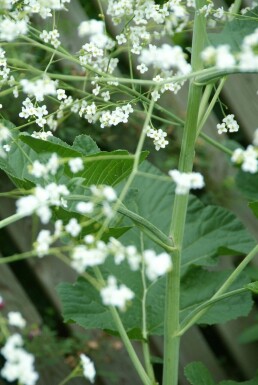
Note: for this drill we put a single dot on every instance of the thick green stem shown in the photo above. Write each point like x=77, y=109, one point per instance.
x=172, y=301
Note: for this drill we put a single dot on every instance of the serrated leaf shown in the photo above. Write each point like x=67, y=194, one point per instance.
x=208, y=228
x=253, y=287
x=198, y=286
x=203, y=239
x=234, y=31
x=197, y=374
x=85, y=145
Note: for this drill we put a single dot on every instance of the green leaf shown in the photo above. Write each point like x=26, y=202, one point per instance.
x=198, y=286
x=197, y=374
x=85, y=145
x=234, y=31
x=254, y=207
x=100, y=168
x=253, y=287
x=152, y=197
x=208, y=228
x=247, y=184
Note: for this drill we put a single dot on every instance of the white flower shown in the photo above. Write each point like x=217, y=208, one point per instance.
x=142, y=68
x=89, y=371
x=73, y=227
x=247, y=158
x=85, y=207
x=186, y=181
x=19, y=365
x=91, y=27
x=156, y=265
x=61, y=94
x=121, y=39
x=16, y=319
x=112, y=295
x=76, y=165
x=43, y=242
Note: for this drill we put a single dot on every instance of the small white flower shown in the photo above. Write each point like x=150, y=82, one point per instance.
x=61, y=94
x=113, y=295
x=85, y=207
x=43, y=242
x=142, y=68
x=76, y=165
x=186, y=181
x=73, y=227
x=16, y=319
x=89, y=371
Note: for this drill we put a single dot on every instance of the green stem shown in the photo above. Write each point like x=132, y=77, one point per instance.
x=145, y=342
x=13, y=218
x=134, y=358
x=204, y=116
x=231, y=279
x=172, y=305
x=216, y=144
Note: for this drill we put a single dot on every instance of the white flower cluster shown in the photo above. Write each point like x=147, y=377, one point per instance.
x=45, y=239
x=208, y=10
x=186, y=181
x=41, y=200
x=114, y=295
x=113, y=118
x=170, y=14
x=19, y=365
x=16, y=319
x=223, y=58
x=94, y=253
x=229, y=124
x=88, y=368
x=158, y=137
x=4, y=70
x=165, y=58
x=51, y=37
x=247, y=158
x=5, y=136
x=91, y=27
x=76, y=165
x=93, y=54
x=10, y=29
x=39, y=88
x=44, y=7
x=43, y=135
x=40, y=170
x=28, y=110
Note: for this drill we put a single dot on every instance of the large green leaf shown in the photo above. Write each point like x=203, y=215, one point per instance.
x=100, y=168
x=197, y=286
x=152, y=197
x=209, y=229
x=234, y=31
